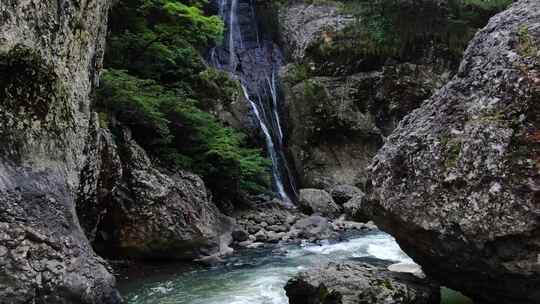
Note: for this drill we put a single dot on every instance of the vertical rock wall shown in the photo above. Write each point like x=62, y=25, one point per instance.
x=50, y=58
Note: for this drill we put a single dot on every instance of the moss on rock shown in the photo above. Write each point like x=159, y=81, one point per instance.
x=32, y=100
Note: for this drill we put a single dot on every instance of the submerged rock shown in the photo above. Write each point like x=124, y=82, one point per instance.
x=359, y=283
x=50, y=59
x=458, y=182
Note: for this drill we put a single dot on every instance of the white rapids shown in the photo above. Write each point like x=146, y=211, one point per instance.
x=259, y=278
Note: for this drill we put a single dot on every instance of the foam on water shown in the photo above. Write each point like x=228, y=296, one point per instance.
x=260, y=280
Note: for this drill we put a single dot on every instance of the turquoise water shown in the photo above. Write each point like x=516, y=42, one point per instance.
x=449, y=296
x=254, y=276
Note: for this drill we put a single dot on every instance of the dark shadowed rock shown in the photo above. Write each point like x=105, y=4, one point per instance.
x=312, y=201
x=144, y=211
x=359, y=283
x=458, y=182
x=356, y=208
x=343, y=193
x=240, y=235
x=340, y=105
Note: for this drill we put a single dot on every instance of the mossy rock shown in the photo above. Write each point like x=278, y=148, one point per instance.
x=33, y=101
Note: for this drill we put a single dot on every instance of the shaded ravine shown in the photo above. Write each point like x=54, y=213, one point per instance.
x=255, y=62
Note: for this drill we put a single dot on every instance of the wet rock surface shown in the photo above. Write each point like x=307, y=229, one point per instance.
x=458, y=181
x=48, y=67
x=276, y=224
x=358, y=283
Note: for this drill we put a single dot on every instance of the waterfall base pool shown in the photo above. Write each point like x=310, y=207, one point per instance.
x=254, y=276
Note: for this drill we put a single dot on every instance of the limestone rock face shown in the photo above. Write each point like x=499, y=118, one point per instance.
x=50, y=59
x=458, y=182
x=302, y=23
x=338, y=113
x=358, y=283
x=133, y=208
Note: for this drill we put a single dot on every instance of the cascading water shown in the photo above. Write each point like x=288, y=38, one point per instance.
x=255, y=63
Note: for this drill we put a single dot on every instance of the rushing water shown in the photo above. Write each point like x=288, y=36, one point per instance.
x=255, y=62
x=256, y=276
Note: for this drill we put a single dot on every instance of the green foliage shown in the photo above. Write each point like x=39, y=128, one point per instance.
x=215, y=85
x=137, y=103
x=393, y=28
x=170, y=124
x=494, y=5
x=159, y=86
x=297, y=73
x=161, y=39
x=527, y=46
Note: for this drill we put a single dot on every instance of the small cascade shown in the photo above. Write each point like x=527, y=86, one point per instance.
x=255, y=62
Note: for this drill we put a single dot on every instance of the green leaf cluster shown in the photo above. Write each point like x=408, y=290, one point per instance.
x=158, y=85
x=161, y=39
x=396, y=28
x=173, y=127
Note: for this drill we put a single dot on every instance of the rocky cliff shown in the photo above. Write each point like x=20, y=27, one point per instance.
x=50, y=58
x=342, y=98
x=130, y=207
x=458, y=182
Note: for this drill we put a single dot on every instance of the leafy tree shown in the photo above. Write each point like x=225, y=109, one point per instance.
x=396, y=28
x=171, y=126
x=158, y=85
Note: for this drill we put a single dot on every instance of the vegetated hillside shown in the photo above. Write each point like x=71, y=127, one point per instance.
x=159, y=86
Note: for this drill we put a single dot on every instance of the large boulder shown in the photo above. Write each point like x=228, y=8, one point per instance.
x=130, y=207
x=50, y=59
x=344, y=193
x=458, y=182
x=356, y=208
x=359, y=283
x=317, y=201
x=312, y=228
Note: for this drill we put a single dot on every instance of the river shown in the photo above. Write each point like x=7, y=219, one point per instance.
x=256, y=276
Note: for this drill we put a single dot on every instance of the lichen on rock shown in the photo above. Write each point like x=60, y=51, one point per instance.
x=458, y=180
x=48, y=68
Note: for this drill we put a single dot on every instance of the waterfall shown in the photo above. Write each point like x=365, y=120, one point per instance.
x=255, y=62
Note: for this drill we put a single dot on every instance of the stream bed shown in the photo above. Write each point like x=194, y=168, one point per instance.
x=254, y=276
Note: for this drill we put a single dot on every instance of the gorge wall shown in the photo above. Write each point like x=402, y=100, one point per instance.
x=342, y=97
x=50, y=59
x=458, y=182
